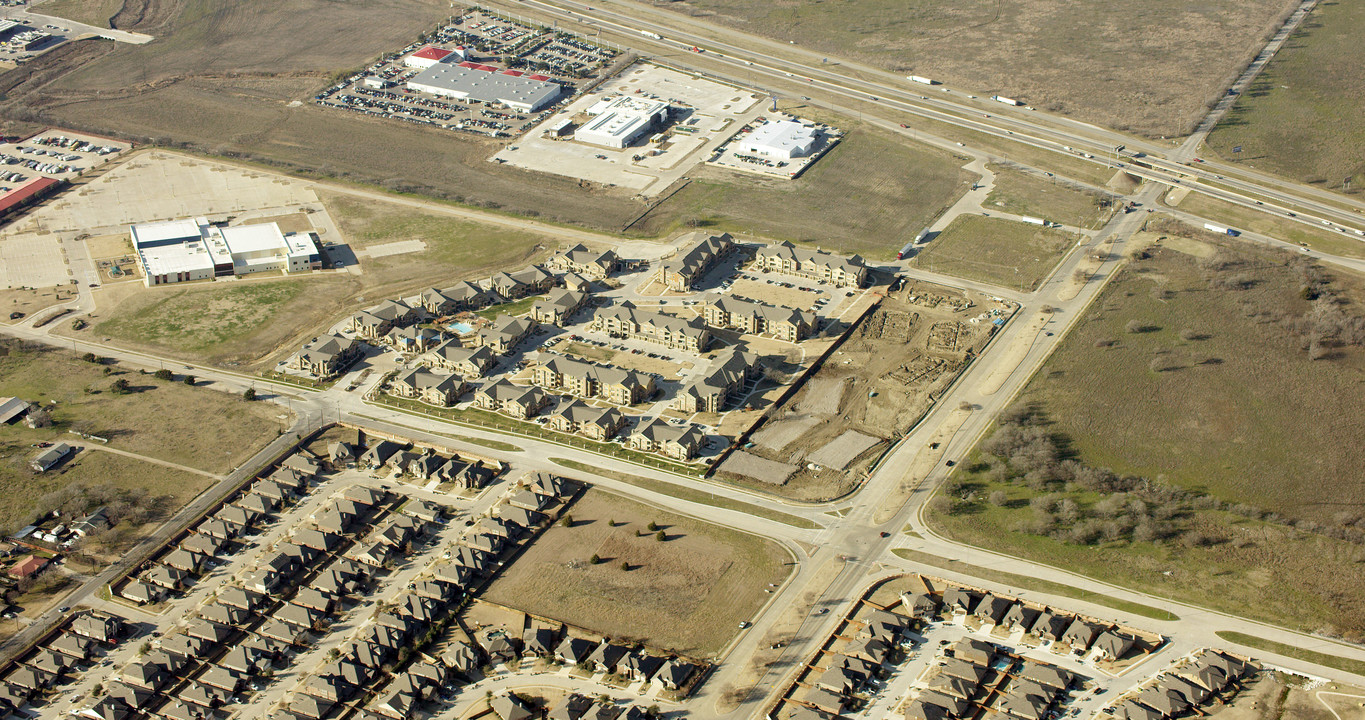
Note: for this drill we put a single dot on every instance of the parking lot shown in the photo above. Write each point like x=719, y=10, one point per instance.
x=703, y=115
x=55, y=154
x=380, y=90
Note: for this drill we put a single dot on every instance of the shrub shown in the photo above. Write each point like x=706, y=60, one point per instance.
x=163, y=374
x=997, y=498
x=189, y=380
x=249, y=394
x=119, y=387
x=596, y=560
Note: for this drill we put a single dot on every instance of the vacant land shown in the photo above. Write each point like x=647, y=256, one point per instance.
x=90, y=12
x=686, y=593
x=869, y=195
x=1192, y=477
x=1051, y=199
x=1001, y=252
x=171, y=421
x=1149, y=66
x=1301, y=118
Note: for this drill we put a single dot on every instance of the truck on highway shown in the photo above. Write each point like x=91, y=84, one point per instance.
x=1007, y=101
x=1221, y=230
x=649, y=34
x=920, y=79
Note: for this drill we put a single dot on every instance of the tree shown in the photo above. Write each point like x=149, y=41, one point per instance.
x=40, y=418
x=120, y=387
x=189, y=380
x=596, y=560
x=660, y=536
x=997, y=498
x=625, y=566
x=250, y=394
x=164, y=374
x=567, y=521
x=653, y=526
x=89, y=357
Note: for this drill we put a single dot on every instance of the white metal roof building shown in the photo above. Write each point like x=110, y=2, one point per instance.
x=514, y=91
x=184, y=250
x=622, y=121
x=783, y=139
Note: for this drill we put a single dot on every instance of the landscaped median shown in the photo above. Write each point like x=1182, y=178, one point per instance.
x=1332, y=661
x=482, y=418
x=1024, y=582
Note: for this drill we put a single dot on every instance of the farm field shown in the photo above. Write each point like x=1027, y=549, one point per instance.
x=1301, y=118
x=1053, y=200
x=685, y=594
x=868, y=195
x=1242, y=499
x=1002, y=252
x=151, y=419
x=1146, y=67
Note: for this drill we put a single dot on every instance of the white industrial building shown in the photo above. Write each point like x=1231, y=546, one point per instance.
x=185, y=250
x=620, y=121
x=784, y=139
x=483, y=84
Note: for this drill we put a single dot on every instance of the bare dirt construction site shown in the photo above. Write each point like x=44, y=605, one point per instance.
x=869, y=392
x=1148, y=67
x=686, y=593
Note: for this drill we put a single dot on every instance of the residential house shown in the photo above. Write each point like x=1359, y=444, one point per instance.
x=956, y=599
x=166, y=577
x=466, y=362
x=919, y=605
x=217, y=529
x=467, y=296
x=326, y=355
x=508, y=706
x=1166, y=701
x=1112, y=645
x=530, y=281
x=378, y=454
x=622, y=387
x=682, y=271
x=503, y=334
x=514, y=400
x=520, y=517
x=75, y=646
x=1019, y=617
x=376, y=322
x=954, y=686
x=142, y=593
x=49, y=458
x=1047, y=675
x=728, y=374
x=412, y=339
x=1080, y=634
x=539, y=642
x=825, y=699
x=589, y=263
x=558, y=306
x=789, y=259
x=27, y=567
x=1133, y=710
x=747, y=316
x=574, y=651
x=682, y=442
x=1050, y=626
x=991, y=608
x=675, y=674
x=639, y=665
x=226, y=614
x=606, y=656
x=429, y=387
x=580, y=418
x=182, y=559
x=975, y=651
x=241, y=597
x=625, y=321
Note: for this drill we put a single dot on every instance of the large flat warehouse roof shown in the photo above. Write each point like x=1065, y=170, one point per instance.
x=484, y=86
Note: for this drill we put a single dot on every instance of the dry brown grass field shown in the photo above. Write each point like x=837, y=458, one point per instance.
x=1149, y=67
x=1003, y=252
x=686, y=594
x=1203, y=367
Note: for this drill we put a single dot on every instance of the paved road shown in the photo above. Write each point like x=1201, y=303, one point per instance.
x=75, y=29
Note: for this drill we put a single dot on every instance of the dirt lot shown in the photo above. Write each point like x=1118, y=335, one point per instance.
x=1023, y=193
x=1301, y=117
x=1148, y=67
x=1194, y=337
x=1278, y=696
x=30, y=301
x=686, y=594
x=877, y=385
x=1006, y=253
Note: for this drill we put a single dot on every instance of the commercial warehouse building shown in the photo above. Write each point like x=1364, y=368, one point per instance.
x=784, y=139
x=184, y=250
x=482, y=83
x=619, y=122
x=426, y=57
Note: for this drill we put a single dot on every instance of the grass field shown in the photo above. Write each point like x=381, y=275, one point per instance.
x=686, y=594
x=1199, y=408
x=1148, y=66
x=1002, y=252
x=869, y=195
x=1301, y=118
x=1277, y=227
x=1025, y=194
x=170, y=421
x=1034, y=584
x=1332, y=661
x=90, y=12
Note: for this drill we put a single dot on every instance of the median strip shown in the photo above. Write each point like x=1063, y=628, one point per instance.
x=1337, y=662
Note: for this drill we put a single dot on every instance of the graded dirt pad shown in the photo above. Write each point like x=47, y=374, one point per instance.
x=841, y=451
x=874, y=388
x=686, y=594
x=778, y=435
x=1301, y=117
x=1149, y=67
x=760, y=469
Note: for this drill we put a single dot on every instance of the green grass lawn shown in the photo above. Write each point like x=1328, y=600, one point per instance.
x=516, y=307
x=870, y=194
x=1001, y=252
x=1175, y=377
x=1023, y=194
x=1301, y=118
